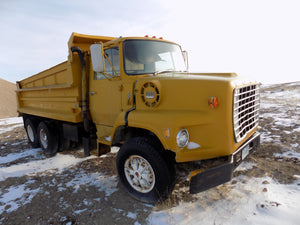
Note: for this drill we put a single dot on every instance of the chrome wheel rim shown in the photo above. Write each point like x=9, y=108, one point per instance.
x=139, y=174
x=44, y=139
x=30, y=133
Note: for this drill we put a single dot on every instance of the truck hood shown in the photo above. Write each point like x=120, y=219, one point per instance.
x=185, y=91
x=199, y=76
x=233, y=78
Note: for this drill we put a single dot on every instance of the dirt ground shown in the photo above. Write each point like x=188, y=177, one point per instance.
x=56, y=202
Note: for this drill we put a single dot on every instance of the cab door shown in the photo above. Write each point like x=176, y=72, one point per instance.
x=105, y=93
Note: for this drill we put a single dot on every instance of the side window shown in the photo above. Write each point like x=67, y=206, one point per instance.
x=113, y=56
x=98, y=76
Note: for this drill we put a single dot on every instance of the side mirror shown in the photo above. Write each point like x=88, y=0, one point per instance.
x=97, y=58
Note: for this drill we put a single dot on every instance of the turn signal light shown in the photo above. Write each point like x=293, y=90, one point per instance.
x=213, y=102
x=167, y=132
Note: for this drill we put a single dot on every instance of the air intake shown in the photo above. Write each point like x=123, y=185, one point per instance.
x=245, y=110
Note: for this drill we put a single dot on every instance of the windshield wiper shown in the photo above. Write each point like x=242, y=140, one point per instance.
x=163, y=71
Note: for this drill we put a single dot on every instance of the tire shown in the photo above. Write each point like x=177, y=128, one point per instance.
x=64, y=144
x=31, y=130
x=48, y=139
x=143, y=171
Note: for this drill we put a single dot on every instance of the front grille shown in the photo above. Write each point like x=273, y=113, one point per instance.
x=245, y=110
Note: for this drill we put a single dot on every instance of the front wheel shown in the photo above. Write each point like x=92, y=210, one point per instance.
x=143, y=171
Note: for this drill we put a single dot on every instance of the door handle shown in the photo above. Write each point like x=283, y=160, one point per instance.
x=92, y=93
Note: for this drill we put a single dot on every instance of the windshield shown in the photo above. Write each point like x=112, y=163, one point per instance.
x=151, y=57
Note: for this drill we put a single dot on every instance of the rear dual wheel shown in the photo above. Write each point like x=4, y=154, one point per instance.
x=44, y=135
x=48, y=138
x=31, y=130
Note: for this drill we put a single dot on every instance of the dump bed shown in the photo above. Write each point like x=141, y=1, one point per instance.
x=56, y=92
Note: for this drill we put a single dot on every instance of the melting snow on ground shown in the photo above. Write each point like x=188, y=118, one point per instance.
x=10, y=124
x=15, y=197
x=53, y=164
x=258, y=201
x=19, y=195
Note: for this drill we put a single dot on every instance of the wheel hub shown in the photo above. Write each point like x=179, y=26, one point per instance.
x=30, y=133
x=139, y=174
x=43, y=138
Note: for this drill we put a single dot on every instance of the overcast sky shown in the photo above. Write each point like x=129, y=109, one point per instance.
x=259, y=39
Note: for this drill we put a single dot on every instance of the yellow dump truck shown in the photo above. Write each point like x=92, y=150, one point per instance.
x=136, y=93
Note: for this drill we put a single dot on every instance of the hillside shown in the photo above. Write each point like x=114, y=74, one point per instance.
x=8, y=99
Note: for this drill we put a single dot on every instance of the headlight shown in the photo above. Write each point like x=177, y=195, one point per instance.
x=182, y=138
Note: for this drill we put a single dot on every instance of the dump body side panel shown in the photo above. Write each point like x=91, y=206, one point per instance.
x=54, y=93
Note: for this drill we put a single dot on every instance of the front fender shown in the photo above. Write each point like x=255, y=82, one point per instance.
x=158, y=121
x=210, y=135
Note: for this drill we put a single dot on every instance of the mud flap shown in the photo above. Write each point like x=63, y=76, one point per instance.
x=211, y=178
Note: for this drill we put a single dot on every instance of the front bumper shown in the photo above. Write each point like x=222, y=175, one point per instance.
x=204, y=180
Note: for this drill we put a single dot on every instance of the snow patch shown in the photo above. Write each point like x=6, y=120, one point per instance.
x=80, y=211
x=193, y=145
x=102, y=182
x=245, y=166
x=9, y=124
x=15, y=156
x=56, y=163
x=288, y=154
x=295, y=145
x=245, y=203
x=132, y=215
x=16, y=196
x=10, y=121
